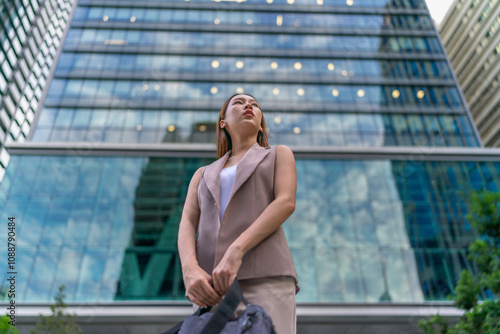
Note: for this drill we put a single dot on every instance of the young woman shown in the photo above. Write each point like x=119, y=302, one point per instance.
x=236, y=205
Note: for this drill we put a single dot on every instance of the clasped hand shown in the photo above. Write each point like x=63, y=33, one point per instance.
x=224, y=274
x=203, y=289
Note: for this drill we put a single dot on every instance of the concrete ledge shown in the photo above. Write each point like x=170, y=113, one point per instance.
x=423, y=153
x=156, y=317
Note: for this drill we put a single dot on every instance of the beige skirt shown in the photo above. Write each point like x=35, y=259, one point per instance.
x=276, y=295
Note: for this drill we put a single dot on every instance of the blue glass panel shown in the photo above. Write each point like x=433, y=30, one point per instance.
x=41, y=280
x=69, y=273
x=92, y=267
x=57, y=86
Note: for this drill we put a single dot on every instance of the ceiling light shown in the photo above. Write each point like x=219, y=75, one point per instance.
x=279, y=20
x=115, y=42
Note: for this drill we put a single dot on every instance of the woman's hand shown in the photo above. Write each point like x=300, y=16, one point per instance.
x=224, y=274
x=198, y=286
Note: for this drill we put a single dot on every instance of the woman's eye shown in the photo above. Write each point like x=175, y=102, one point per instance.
x=255, y=105
x=237, y=102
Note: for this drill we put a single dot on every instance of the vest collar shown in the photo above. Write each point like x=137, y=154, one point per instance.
x=246, y=166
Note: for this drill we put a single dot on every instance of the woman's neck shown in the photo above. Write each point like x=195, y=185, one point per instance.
x=239, y=147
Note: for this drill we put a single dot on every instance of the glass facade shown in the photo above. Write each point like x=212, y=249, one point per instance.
x=334, y=76
x=277, y=68
x=30, y=33
x=363, y=231
x=318, y=129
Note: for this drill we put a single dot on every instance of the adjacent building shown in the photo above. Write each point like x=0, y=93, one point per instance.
x=361, y=90
x=30, y=34
x=470, y=34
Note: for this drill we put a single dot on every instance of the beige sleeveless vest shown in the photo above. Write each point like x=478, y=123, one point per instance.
x=252, y=192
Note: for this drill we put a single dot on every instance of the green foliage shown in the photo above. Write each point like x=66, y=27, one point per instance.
x=480, y=254
x=58, y=322
x=437, y=324
x=483, y=318
x=5, y=327
x=466, y=291
x=484, y=215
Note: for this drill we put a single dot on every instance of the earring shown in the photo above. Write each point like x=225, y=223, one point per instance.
x=261, y=130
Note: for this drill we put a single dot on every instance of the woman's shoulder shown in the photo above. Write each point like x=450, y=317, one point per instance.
x=198, y=173
x=283, y=150
x=284, y=155
x=279, y=150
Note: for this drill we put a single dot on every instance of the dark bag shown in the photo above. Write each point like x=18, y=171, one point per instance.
x=254, y=320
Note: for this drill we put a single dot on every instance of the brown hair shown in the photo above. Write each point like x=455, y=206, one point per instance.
x=224, y=143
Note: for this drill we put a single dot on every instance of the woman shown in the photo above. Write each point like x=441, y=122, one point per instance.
x=237, y=205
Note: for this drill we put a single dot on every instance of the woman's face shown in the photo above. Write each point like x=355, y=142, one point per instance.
x=242, y=113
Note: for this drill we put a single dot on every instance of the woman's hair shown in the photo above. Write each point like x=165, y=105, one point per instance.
x=224, y=143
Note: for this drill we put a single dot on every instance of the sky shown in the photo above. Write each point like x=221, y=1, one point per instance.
x=438, y=8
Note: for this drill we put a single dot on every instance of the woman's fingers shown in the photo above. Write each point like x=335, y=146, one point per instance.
x=230, y=281
x=195, y=300
x=210, y=295
x=198, y=285
x=204, y=292
x=216, y=283
x=222, y=282
x=210, y=292
x=225, y=287
x=226, y=271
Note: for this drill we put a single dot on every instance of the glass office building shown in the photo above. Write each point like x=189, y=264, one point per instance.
x=469, y=34
x=361, y=90
x=30, y=34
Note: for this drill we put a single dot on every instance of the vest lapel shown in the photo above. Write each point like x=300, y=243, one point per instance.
x=246, y=167
x=212, y=177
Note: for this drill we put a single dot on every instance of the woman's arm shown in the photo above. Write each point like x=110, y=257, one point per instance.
x=285, y=188
x=196, y=281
